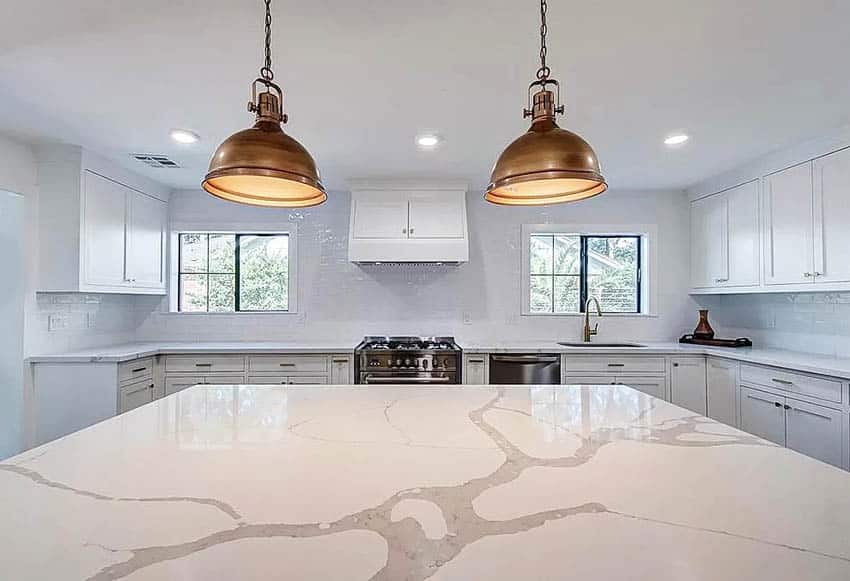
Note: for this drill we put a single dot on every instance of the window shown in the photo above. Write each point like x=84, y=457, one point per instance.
x=564, y=270
x=224, y=272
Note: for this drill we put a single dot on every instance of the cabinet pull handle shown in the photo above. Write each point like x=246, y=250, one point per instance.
x=807, y=274
x=721, y=280
x=411, y=230
x=340, y=360
x=616, y=365
x=203, y=364
x=818, y=274
x=404, y=230
x=779, y=405
x=476, y=361
x=138, y=369
x=287, y=365
x=782, y=381
x=675, y=365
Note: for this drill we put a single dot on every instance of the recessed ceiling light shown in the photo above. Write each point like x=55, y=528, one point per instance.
x=184, y=136
x=677, y=139
x=428, y=141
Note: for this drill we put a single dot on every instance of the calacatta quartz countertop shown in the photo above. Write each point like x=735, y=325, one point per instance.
x=392, y=483
x=809, y=362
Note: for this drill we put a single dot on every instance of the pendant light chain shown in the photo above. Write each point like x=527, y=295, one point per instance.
x=543, y=71
x=266, y=72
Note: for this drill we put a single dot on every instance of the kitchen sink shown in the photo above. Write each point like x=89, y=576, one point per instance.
x=579, y=344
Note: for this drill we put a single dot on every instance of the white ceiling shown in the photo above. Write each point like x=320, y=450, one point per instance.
x=363, y=78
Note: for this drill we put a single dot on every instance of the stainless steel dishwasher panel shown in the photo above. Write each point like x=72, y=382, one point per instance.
x=543, y=369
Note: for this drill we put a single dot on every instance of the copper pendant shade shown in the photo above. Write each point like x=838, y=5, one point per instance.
x=263, y=166
x=547, y=164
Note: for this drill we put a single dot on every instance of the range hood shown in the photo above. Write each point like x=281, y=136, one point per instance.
x=408, y=223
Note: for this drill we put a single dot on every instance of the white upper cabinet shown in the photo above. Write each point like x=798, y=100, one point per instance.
x=437, y=217
x=724, y=239
x=788, y=223
x=380, y=218
x=394, y=224
x=832, y=217
x=104, y=210
x=101, y=228
x=145, y=242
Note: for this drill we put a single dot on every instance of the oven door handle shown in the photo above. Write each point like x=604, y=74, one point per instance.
x=372, y=379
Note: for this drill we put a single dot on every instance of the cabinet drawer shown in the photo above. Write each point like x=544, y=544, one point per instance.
x=134, y=370
x=267, y=380
x=571, y=379
x=614, y=364
x=288, y=363
x=204, y=363
x=134, y=395
x=810, y=385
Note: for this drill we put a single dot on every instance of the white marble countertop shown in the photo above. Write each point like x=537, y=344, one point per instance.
x=130, y=351
x=809, y=362
x=448, y=483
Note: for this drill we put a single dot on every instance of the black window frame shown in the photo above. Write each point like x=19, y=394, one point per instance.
x=583, y=272
x=237, y=287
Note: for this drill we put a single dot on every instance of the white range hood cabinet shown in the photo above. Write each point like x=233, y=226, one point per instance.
x=404, y=223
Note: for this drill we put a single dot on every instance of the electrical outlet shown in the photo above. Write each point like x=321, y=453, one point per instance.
x=57, y=322
x=91, y=320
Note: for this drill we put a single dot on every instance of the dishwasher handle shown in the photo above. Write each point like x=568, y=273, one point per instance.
x=525, y=358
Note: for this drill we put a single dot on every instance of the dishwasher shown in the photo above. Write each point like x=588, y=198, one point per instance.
x=544, y=369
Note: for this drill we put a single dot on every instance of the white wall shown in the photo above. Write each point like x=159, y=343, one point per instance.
x=340, y=301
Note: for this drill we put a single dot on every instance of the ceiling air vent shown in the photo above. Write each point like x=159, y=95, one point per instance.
x=155, y=160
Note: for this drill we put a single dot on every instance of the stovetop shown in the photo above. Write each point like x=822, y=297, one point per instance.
x=407, y=343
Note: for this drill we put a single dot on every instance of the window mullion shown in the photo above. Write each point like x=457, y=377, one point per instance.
x=236, y=285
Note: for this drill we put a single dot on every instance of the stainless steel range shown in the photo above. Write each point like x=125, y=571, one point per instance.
x=414, y=360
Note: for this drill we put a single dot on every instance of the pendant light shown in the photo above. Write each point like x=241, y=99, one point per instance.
x=546, y=165
x=263, y=166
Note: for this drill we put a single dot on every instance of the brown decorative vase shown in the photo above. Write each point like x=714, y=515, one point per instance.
x=703, y=330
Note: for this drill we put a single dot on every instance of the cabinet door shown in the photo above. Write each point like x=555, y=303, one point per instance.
x=341, y=369
x=475, y=369
x=146, y=218
x=763, y=414
x=742, y=215
x=380, y=219
x=815, y=431
x=104, y=218
x=436, y=217
x=832, y=217
x=654, y=386
x=721, y=386
x=706, y=247
x=788, y=210
x=134, y=395
x=687, y=383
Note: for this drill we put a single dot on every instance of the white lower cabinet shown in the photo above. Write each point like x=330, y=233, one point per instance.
x=808, y=428
x=654, y=386
x=762, y=415
x=342, y=371
x=687, y=383
x=721, y=378
x=476, y=369
x=815, y=431
x=133, y=395
x=173, y=384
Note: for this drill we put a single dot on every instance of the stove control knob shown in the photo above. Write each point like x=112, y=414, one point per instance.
x=374, y=363
x=407, y=362
x=398, y=362
x=425, y=364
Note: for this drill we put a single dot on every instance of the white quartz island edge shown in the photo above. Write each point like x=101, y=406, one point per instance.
x=450, y=483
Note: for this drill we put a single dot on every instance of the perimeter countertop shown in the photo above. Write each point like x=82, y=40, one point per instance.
x=391, y=483
x=808, y=362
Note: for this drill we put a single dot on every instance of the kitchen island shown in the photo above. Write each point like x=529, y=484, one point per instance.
x=474, y=482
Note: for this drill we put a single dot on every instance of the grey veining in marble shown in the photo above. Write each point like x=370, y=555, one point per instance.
x=419, y=483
